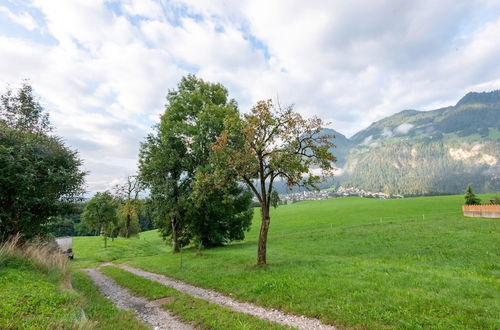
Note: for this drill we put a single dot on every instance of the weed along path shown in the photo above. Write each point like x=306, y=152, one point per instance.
x=273, y=315
x=148, y=312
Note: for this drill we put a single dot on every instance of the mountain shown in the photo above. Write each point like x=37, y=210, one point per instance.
x=427, y=152
x=342, y=145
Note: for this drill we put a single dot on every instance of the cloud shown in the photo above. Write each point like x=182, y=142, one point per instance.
x=23, y=18
x=404, y=128
x=107, y=67
x=367, y=140
x=387, y=132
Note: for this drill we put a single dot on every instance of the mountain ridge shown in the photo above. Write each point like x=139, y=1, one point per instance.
x=417, y=152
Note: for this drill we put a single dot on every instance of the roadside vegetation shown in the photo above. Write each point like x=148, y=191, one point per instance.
x=38, y=290
x=189, y=309
x=34, y=288
x=354, y=262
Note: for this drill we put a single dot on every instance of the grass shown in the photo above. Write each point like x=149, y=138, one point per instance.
x=34, y=299
x=91, y=250
x=36, y=293
x=99, y=311
x=353, y=262
x=189, y=309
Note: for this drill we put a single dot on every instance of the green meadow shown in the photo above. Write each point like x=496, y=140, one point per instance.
x=351, y=262
x=33, y=296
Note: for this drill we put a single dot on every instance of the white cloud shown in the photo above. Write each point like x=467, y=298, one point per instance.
x=404, y=128
x=105, y=73
x=23, y=18
x=387, y=132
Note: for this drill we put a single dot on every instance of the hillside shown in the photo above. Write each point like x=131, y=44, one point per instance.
x=350, y=262
x=428, y=152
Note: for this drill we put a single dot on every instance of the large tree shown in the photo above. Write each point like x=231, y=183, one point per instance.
x=177, y=155
x=100, y=215
x=268, y=144
x=40, y=176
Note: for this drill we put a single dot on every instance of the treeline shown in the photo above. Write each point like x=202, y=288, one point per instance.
x=72, y=224
x=200, y=169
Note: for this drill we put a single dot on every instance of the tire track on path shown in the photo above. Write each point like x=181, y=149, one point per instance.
x=156, y=317
x=273, y=315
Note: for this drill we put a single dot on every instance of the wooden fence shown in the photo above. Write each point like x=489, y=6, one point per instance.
x=481, y=211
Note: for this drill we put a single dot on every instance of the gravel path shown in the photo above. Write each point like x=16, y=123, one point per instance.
x=152, y=315
x=273, y=315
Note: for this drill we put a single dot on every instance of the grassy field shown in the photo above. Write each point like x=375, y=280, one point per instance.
x=352, y=262
x=36, y=293
x=34, y=299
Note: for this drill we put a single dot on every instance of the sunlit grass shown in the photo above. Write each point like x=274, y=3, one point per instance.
x=354, y=262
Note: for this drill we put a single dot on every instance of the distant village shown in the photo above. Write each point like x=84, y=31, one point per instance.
x=331, y=193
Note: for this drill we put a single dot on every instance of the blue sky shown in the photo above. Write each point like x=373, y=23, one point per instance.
x=103, y=68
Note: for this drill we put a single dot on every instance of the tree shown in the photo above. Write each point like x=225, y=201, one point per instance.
x=176, y=157
x=128, y=197
x=146, y=214
x=22, y=111
x=268, y=144
x=470, y=197
x=161, y=161
x=40, y=177
x=100, y=214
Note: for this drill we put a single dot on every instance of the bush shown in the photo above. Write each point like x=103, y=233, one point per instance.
x=470, y=197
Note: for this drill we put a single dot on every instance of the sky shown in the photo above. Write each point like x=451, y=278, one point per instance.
x=102, y=68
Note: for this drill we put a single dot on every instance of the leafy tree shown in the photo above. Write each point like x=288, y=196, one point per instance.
x=128, y=197
x=40, y=177
x=161, y=166
x=145, y=214
x=22, y=111
x=100, y=214
x=470, y=197
x=268, y=144
x=177, y=156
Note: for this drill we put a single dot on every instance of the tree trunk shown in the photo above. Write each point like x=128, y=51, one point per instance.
x=264, y=228
x=127, y=226
x=175, y=248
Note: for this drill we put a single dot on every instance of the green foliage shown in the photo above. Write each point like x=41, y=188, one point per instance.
x=39, y=176
x=129, y=206
x=21, y=111
x=275, y=199
x=175, y=158
x=189, y=309
x=470, y=197
x=100, y=214
x=68, y=224
x=31, y=298
x=128, y=218
x=145, y=215
x=354, y=263
x=496, y=200
x=268, y=144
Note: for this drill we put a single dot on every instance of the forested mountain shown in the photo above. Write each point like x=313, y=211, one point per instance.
x=427, y=152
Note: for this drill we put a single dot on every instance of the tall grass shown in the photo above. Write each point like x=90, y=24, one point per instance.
x=42, y=254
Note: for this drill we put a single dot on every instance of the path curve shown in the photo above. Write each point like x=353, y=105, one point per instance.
x=156, y=317
x=273, y=315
